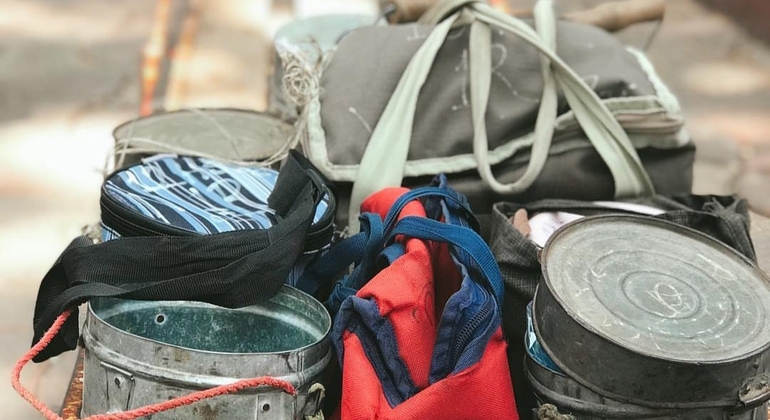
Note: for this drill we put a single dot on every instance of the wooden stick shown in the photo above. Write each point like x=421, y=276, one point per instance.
x=152, y=55
x=181, y=56
x=615, y=16
x=407, y=10
x=73, y=398
x=501, y=5
x=611, y=16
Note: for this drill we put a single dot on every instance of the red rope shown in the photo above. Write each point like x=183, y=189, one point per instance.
x=286, y=386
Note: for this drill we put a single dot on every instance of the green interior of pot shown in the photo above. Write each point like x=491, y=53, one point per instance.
x=266, y=328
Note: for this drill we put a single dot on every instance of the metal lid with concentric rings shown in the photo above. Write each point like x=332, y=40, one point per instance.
x=656, y=294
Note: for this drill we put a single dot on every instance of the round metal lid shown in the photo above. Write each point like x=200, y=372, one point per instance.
x=223, y=132
x=659, y=289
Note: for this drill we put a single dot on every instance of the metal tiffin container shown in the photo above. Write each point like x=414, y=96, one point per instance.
x=221, y=133
x=143, y=352
x=646, y=312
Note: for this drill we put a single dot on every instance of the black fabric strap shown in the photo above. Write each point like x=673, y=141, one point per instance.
x=725, y=218
x=232, y=269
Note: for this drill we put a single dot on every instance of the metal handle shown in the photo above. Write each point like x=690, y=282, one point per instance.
x=754, y=392
x=120, y=387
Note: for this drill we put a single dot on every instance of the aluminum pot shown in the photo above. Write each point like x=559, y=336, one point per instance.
x=647, y=312
x=230, y=134
x=143, y=352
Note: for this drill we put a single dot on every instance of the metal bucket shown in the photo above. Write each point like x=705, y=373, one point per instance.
x=143, y=352
x=230, y=134
x=651, y=313
x=638, y=313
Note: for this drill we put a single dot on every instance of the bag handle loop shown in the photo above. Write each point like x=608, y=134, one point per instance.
x=480, y=57
x=458, y=236
x=389, y=144
x=601, y=127
x=362, y=247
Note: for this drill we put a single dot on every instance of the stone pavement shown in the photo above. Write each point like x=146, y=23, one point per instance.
x=69, y=73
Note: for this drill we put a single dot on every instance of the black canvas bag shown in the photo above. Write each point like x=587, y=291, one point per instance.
x=724, y=218
x=230, y=269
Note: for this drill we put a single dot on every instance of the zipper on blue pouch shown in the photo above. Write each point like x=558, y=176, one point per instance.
x=127, y=223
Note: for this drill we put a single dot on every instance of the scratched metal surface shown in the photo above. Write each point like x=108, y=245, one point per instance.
x=659, y=289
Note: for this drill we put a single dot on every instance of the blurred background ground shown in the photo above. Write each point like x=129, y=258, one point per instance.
x=69, y=73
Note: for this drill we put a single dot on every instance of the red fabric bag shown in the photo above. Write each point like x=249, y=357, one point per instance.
x=421, y=338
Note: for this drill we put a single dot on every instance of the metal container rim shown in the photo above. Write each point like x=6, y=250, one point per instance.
x=173, y=113
x=324, y=336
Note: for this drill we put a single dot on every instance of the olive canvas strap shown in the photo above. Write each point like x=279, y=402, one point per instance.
x=385, y=156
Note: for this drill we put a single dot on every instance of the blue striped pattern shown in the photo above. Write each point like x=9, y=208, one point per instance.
x=197, y=194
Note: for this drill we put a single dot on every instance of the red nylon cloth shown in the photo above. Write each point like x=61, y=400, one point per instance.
x=406, y=294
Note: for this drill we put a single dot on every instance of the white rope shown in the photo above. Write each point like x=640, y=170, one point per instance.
x=300, y=76
x=142, y=145
x=135, y=145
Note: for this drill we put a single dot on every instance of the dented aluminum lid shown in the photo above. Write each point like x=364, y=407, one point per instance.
x=651, y=311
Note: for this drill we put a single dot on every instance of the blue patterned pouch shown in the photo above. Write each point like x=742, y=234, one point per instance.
x=183, y=195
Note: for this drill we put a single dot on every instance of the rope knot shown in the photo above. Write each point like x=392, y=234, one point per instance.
x=300, y=75
x=550, y=412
